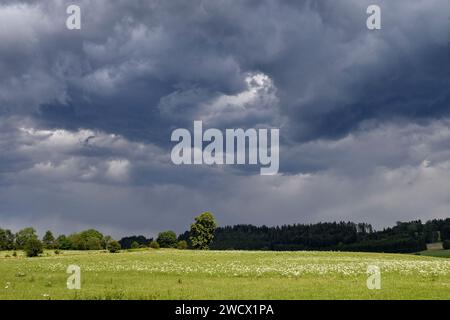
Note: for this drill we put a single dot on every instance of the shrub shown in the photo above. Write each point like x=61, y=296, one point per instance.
x=63, y=243
x=167, y=239
x=154, y=245
x=182, y=245
x=33, y=248
x=93, y=243
x=134, y=245
x=105, y=242
x=114, y=246
x=446, y=244
x=126, y=242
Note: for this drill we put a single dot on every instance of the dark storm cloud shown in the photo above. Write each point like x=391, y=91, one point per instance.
x=331, y=73
x=86, y=116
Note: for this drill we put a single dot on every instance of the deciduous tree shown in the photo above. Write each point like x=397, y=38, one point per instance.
x=202, y=231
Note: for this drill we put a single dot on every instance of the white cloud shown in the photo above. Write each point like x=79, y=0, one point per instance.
x=118, y=170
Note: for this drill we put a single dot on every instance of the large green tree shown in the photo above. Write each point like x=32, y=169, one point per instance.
x=6, y=240
x=77, y=242
x=167, y=239
x=91, y=233
x=62, y=242
x=93, y=243
x=48, y=240
x=202, y=231
x=86, y=240
x=24, y=236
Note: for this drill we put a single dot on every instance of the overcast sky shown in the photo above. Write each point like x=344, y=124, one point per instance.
x=86, y=115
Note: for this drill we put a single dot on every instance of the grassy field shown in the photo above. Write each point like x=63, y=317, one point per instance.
x=436, y=253
x=176, y=274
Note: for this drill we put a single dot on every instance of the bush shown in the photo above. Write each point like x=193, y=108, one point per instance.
x=182, y=245
x=134, y=245
x=446, y=244
x=63, y=243
x=167, y=239
x=93, y=243
x=33, y=248
x=154, y=245
x=114, y=246
x=126, y=242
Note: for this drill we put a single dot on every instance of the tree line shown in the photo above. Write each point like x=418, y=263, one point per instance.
x=202, y=231
x=404, y=237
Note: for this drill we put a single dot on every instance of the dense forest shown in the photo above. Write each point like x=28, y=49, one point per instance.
x=405, y=237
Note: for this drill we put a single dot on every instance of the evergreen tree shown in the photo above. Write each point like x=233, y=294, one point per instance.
x=48, y=240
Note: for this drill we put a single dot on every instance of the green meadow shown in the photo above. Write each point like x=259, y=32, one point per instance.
x=186, y=274
x=436, y=253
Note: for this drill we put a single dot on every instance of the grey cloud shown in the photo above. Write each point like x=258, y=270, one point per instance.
x=86, y=116
x=330, y=72
x=71, y=180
